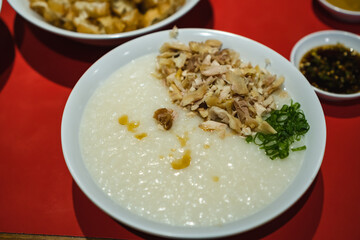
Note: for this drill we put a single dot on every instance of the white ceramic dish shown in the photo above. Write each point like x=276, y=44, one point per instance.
x=22, y=8
x=339, y=13
x=249, y=50
x=325, y=38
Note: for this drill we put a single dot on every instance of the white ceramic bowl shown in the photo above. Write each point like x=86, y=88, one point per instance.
x=325, y=38
x=22, y=8
x=340, y=13
x=249, y=50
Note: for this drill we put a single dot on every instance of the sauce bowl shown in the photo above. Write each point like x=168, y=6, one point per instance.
x=320, y=38
x=340, y=13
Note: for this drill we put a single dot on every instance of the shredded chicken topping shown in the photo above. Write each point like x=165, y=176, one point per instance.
x=213, y=82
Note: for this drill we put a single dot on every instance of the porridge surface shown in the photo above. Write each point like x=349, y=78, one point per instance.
x=227, y=179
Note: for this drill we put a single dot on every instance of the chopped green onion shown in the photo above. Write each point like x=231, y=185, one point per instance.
x=290, y=124
x=298, y=148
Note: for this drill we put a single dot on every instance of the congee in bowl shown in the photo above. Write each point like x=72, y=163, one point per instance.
x=180, y=139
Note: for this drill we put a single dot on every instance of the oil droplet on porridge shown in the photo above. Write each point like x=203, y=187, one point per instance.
x=215, y=178
x=131, y=126
x=182, y=162
x=140, y=135
x=124, y=119
x=183, y=140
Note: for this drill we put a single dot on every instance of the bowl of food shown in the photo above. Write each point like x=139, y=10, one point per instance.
x=330, y=61
x=347, y=10
x=101, y=22
x=183, y=137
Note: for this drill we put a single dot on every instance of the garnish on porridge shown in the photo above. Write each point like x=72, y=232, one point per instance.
x=182, y=162
x=131, y=126
x=164, y=117
x=214, y=83
x=217, y=85
x=183, y=139
x=185, y=160
x=140, y=135
x=290, y=124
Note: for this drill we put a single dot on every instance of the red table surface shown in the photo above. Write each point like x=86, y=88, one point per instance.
x=38, y=71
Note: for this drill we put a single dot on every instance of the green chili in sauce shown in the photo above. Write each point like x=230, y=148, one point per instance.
x=333, y=68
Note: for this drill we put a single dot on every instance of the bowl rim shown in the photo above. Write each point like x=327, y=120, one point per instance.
x=40, y=22
x=277, y=207
x=338, y=9
x=324, y=34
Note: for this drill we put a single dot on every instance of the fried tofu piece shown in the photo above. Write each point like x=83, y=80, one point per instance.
x=121, y=7
x=104, y=16
x=112, y=24
x=93, y=9
x=84, y=25
x=43, y=9
x=132, y=20
x=60, y=7
x=150, y=17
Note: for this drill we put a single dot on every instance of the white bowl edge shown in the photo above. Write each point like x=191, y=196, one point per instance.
x=140, y=46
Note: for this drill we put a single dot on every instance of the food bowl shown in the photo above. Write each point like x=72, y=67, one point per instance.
x=23, y=9
x=325, y=38
x=340, y=13
x=249, y=50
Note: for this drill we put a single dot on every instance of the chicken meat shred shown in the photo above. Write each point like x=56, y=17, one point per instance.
x=214, y=83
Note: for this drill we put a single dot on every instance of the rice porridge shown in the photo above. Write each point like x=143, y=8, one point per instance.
x=227, y=179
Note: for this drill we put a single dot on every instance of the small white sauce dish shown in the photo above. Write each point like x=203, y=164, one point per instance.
x=22, y=7
x=340, y=13
x=320, y=38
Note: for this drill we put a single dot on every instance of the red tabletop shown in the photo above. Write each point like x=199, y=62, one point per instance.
x=38, y=71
